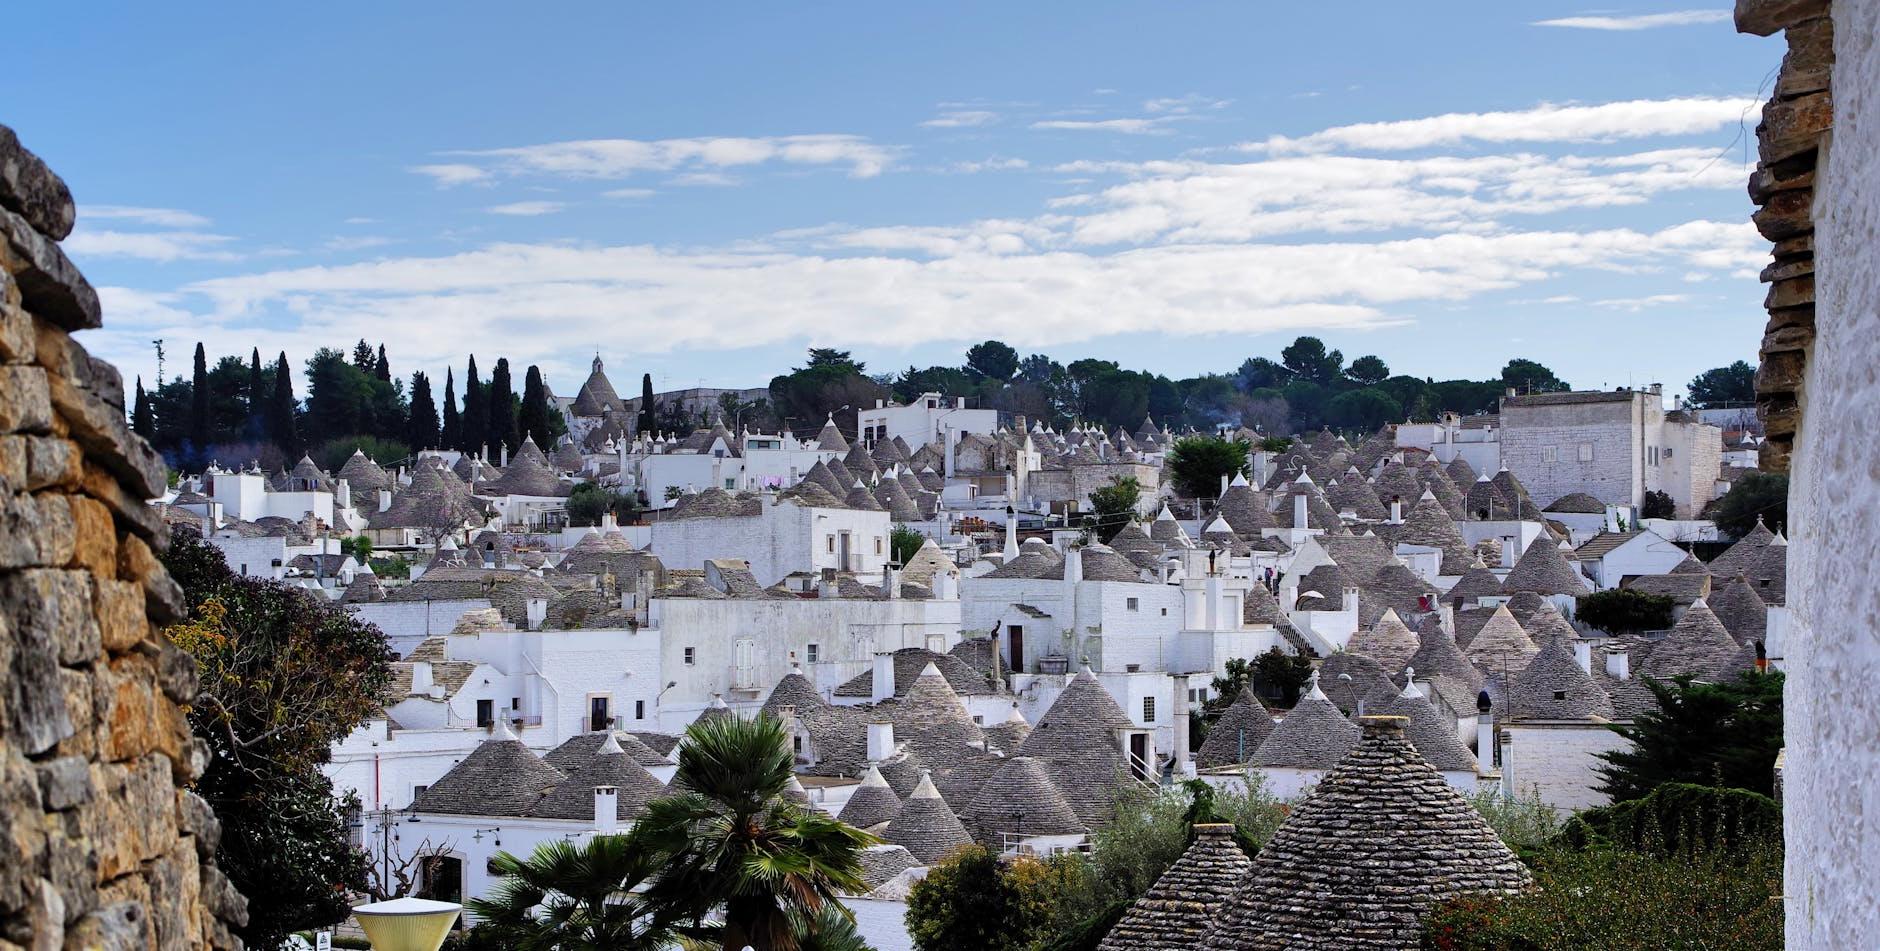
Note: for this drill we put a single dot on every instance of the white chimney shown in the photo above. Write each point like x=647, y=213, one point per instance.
x=1619, y=664
x=1299, y=510
x=505, y=462
x=342, y=494
x=1011, y=534
x=884, y=677
x=1350, y=601
x=880, y=741
x=1178, y=715
x=1484, y=744
x=1583, y=655
x=891, y=582
x=538, y=613
x=1396, y=510
x=606, y=809
x=421, y=682
x=1508, y=554
x=385, y=499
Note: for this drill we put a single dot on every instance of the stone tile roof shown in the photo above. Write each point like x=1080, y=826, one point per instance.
x=1602, y=544
x=1579, y=503
x=909, y=664
x=501, y=777
x=1682, y=589
x=1698, y=644
x=1346, y=678
x=1245, y=508
x=1741, y=610
x=573, y=798
x=926, y=826
x=1174, y=914
x=364, y=477
x=1102, y=563
x=1554, y=687
x=830, y=438
x=596, y=396
x=1428, y=523
x=1352, y=492
x=432, y=501
x=903, y=770
x=872, y=803
x=1501, y=645
x=1460, y=472
x=529, y=473
x=1009, y=734
x=1313, y=736
x=1239, y=731
x=1432, y=733
x=1035, y=560
x=1437, y=482
x=1542, y=569
x=882, y=864
x=934, y=724
x=1076, y=739
x=1019, y=797
x=1390, y=642
x=581, y=747
x=1397, y=588
x=714, y=502
x=1358, y=865
x=1439, y=661
x=1478, y=582
x=1399, y=480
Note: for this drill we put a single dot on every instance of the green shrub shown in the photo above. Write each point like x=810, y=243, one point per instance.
x=1677, y=817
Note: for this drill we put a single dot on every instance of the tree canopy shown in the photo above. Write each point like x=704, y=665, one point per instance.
x=1763, y=495
x=1197, y=464
x=1734, y=385
x=1708, y=734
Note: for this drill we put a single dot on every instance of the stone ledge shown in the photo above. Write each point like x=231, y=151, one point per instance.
x=29, y=187
x=1765, y=17
x=50, y=285
x=107, y=438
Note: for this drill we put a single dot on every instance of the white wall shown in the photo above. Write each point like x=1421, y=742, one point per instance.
x=1557, y=761
x=782, y=540
x=407, y=623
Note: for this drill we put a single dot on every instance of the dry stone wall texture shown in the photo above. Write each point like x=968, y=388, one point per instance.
x=102, y=845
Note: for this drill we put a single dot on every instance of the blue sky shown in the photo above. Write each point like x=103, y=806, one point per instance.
x=701, y=191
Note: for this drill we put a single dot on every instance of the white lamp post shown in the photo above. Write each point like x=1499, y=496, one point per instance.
x=407, y=924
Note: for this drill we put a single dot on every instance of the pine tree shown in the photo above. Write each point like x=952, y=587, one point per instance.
x=421, y=428
x=452, y=435
x=199, y=419
x=362, y=355
x=502, y=399
x=256, y=395
x=283, y=428
x=143, y=423
x=536, y=420
x=383, y=366
x=649, y=419
x=476, y=411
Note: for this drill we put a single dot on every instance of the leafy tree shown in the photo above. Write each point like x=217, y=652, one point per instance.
x=588, y=502
x=1676, y=817
x=142, y=422
x=967, y=901
x=1723, y=734
x=1467, y=397
x=1211, y=400
x=1114, y=506
x=1281, y=675
x=200, y=424
x=1308, y=359
x=1258, y=373
x=648, y=405
x=283, y=423
x=829, y=381
x=1276, y=444
x=501, y=393
x=339, y=396
x=1306, y=400
x=450, y=434
x=421, y=427
x=381, y=367
x=476, y=411
x=1198, y=463
x=992, y=360
x=1658, y=504
x=283, y=677
x=1724, y=386
x=333, y=453
x=1226, y=687
x=946, y=381
x=358, y=546
x=904, y=542
x=1367, y=371
x=363, y=358
x=1361, y=409
x=1763, y=495
x=1626, y=611
x=731, y=841
x=1527, y=376
x=537, y=419
x=1038, y=369
x=583, y=896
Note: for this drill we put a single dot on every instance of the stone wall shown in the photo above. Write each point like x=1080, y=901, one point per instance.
x=101, y=843
x=1798, y=115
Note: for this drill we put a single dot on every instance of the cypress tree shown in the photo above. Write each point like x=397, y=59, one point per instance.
x=142, y=422
x=199, y=419
x=649, y=419
x=383, y=366
x=421, y=428
x=452, y=435
x=257, y=395
x=535, y=420
x=282, y=425
x=476, y=411
x=502, y=419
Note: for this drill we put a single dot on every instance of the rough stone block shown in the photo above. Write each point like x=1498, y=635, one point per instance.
x=1794, y=292
x=1786, y=214
x=70, y=863
x=131, y=512
x=13, y=463
x=80, y=692
x=16, y=326
x=108, y=439
x=120, y=926
x=94, y=537
x=64, y=782
x=1783, y=270
x=25, y=400
x=198, y=819
x=1765, y=17
x=57, y=605
x=51, y=462
x=163, y=597
x=1781, y=372
x=34, y=696
x=1791, y=317
x=175, y=893
x=222, y=898
x=22, y=833
x=51, y=286
x=120, y=610
x=132, y=708
x=34, y=531
x=1793, y=127
x=176, y=672
x=33, y=190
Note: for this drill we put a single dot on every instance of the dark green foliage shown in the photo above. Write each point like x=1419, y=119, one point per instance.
x=421, y=427
x=575, y=896
x=536, y=419
x=1622, y=900
x=830, y=380
x=903, y=542
x=1308, y=360
x=340, y=396
x=1734, y=385
x=1280, y=675
x=1679, y=817
x=283, y=417
x=450, y=434
x=1276, y=444
x=201, y=425
x=501, y=394
x=1763, y=495
x=1626, y=611
x=946, y=381
x=333, y=453
x=1087, y=934
x=1658, y=504
x=1197, y=464
x=967, y=901
x=1226, y=687
x=142, y=422
x=1364, y=410
x=589, y=501
x=992, y=360
x=1367, y=371
x=1527, y=376
x=283, y=677
x=382, y=367
x=1725, y=734
x=648, y=405
x=476, y=411
x=1258, y=373
x=1114, y=506
x=255, y=397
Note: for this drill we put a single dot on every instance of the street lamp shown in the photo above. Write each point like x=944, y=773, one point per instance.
x=407, y=924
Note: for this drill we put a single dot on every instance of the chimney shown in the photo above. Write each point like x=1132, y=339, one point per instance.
x=342, y=495
x=884, y=677
x=505, y=462
x=1583, y=655
x=1299, y=509
x=606, y=809
x=1178, y=715
x=538, y=613
x=385, y=499
x=1396, y=510
x=880, y=741
x=1508, y=555
x=1484, y=743
x=1619, y=664
x=1073, y=566
x=421, y=682
x=952, y=448
x=1011, y=533
x=1350, y=601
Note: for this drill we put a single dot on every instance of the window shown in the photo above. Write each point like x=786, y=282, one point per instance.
x=515, y=703
x=1560, y=695
x=639, y=709
x=1131, y=604
x=812, y=653
x=730, y=484
x=831, y=542
x=691, y=656
x=1550, y=453
x=1586, y=452
x=1667, y=452
x=1148, y=709
x=1165, y=612
x=599, y=716
x=877, y=544
x=417, y=791
x=486, y=713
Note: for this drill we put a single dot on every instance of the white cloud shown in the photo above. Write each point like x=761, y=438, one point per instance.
x=448, y=175
x=994, y=164
x=1636, y=304
x=150, y=246
x=356, y=242
x=629, y=193
x=1548, y=122
x=1193, y=102
x=961, y=119
x=1640, y=22
x=527, y=209
x=158, y=217
x=1156, y=125
x=360, y=220
x=703, y=180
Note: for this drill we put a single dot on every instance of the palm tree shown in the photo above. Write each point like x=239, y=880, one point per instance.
x=573, y=896
x=730, y=840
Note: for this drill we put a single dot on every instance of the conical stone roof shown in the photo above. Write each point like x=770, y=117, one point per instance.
x=1346, y=678
x=1175, y=913
x=1743, y=557
x=1313, y=736
x=1698, y=645
x=1245, y=508
x=1501, y=646
x=609, y=766
x=1544, y=570
x=1239, y=731
x=1460, y=472
x=1353, y=493
x=364, y=477
x=872, y=803
x=1428, y=523
x=1009, y=734
x=1390, y=642
x=501, y=777
x=1476, y=583
x=926, y=825
x=1021, y=799
x=831, y=439
x=1554, y=687
x=1439, y=661
x=1078, y=744
x=1358, y=865
x=1433, y=735
x=1742, y=611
